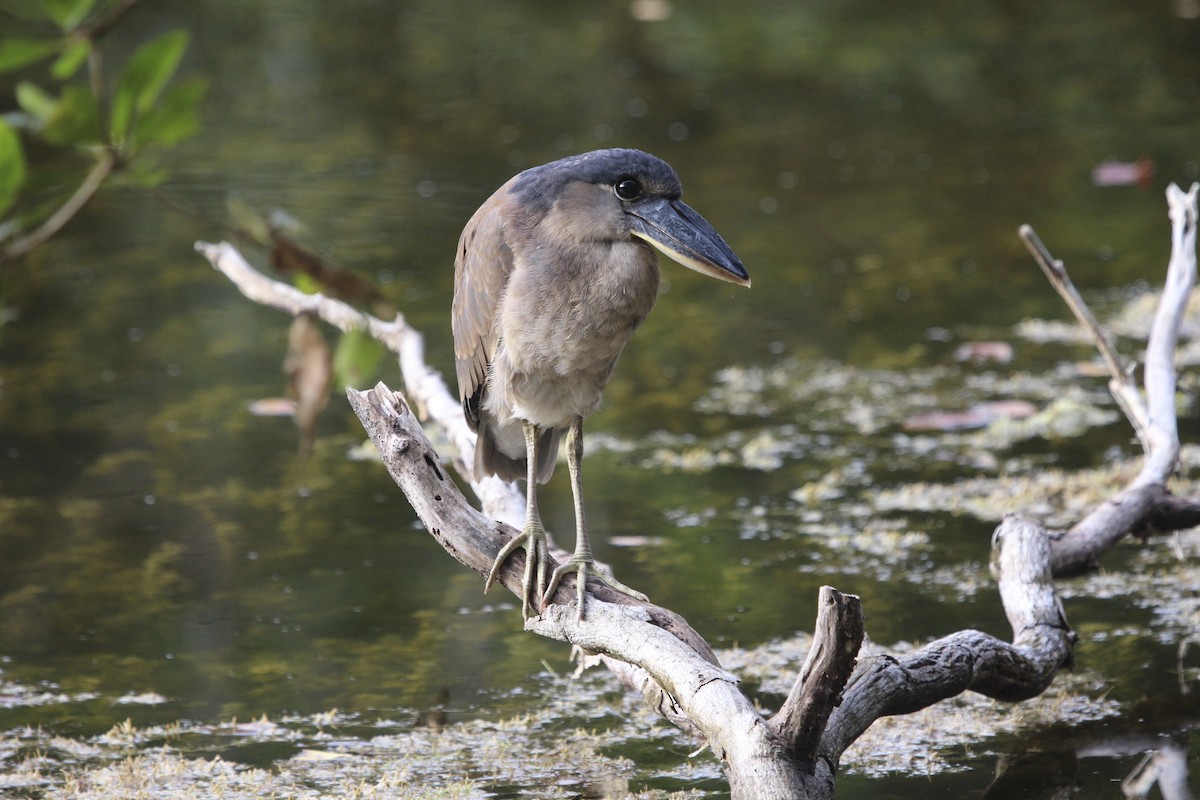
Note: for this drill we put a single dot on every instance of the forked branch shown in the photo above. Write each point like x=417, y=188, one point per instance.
x=835, y=698
x=1145, y=500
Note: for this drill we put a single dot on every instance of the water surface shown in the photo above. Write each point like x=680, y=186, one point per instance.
x=164, y=557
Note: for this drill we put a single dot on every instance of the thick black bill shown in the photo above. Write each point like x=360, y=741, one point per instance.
x=684, y=236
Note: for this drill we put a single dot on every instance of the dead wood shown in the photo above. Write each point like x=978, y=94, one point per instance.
x=796, y=752
x=1142, y=504
x=801, y=721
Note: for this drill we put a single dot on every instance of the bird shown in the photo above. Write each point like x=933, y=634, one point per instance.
x=553, y=274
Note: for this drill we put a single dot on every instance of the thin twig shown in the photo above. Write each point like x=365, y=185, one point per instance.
x=1141, y=503
x=1121, y=384
x=105, y=164
x=264, y=291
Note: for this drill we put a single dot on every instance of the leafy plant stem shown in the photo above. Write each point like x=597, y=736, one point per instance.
x=104, y=166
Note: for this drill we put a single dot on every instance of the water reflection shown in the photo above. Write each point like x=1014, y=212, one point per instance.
x=870, y=162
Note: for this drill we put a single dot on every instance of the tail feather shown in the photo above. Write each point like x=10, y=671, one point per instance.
x=491, y=459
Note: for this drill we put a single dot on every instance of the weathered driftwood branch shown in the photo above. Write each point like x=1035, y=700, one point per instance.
x=795, y=753
x=838, y=635
x=1144, y=501
x=470, y=536
x=1120, y=381
x=971, y=660
x=636, y=632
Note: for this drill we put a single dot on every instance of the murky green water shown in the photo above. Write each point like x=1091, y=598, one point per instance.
x=869, y=161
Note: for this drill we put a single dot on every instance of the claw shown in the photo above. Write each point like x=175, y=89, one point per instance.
x=537, y=562
x=585, y=568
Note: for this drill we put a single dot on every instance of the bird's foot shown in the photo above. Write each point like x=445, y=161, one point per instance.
x=537, y=563
x=585, y=568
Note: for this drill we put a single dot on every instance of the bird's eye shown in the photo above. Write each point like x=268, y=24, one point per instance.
x=628, y=189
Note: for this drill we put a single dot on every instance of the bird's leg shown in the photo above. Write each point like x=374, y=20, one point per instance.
x=581, y=563
x=532, y=535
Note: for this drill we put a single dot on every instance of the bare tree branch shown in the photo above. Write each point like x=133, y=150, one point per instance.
x=474, y=539
x=1163, y=455
x=760, y=756
x=796, y=753
x=838, y=635
x=654, y=639
x=1132, y=509
x=969, y=660
x=1120, y=382
x=1142, y=501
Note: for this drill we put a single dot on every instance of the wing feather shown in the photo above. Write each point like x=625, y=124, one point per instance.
x=482, y=267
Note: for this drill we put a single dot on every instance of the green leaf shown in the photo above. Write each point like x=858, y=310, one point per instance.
x=356, y=359
x=144, y=78
x=12, y=167
x=72, y=119
x=36, y=101
x=67, y=13
x=17, y=53
x=303, y=281
x=76, y=120
x=175, y=117
x=71, y=60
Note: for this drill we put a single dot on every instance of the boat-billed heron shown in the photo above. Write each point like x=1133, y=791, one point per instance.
x=552, y=276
